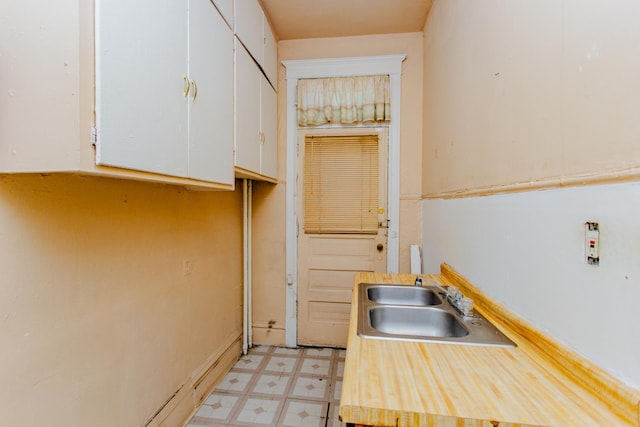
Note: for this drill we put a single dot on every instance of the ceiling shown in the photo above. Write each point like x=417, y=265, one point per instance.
x=303, y=19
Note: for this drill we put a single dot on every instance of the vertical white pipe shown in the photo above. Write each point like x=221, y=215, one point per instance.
x=250, y=264
x=245, y=278
x=291, y=280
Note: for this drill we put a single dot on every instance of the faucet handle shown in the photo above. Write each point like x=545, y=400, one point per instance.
x=466, y=306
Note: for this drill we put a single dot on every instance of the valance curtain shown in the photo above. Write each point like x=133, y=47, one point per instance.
x=347, y=100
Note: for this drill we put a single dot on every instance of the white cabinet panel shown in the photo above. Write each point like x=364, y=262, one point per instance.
x=253, y=30
x=226, y=9
x=249, y=27
x=146, y=54
x=164, y=100
x=141, y=113
x=268, y=120
x=270, y=61
x=256, y=115
x=211, y=95
x=247, y=136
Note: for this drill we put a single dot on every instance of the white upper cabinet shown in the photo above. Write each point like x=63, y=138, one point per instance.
x=153, y=98
x=268, y=125
x=270, y=62
x=211, y=95
x=226, y=9
x=141, y=74
x=249, y=27
x=253, y=30
x=256, y=152
x=247, y=136
x=164, y=99
x=255, y=138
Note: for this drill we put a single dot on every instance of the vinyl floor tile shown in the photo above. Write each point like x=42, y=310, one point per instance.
x=311, y=388
x=300, y=413
x=250, y=361
x=277, y=386
x=281, y=364
x=235, y=381
x=316, y=366
x=258, y=412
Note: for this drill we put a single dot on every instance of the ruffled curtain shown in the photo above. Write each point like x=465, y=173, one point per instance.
x=348, y=100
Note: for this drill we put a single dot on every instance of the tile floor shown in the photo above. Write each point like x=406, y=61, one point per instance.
x=275, y=386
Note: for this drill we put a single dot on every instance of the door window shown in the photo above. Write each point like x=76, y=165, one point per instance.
x=341, y=184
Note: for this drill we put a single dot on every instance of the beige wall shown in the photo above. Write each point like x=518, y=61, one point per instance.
x=114, y=295
x=269, y=230
x=522, y=95
x=517, y=92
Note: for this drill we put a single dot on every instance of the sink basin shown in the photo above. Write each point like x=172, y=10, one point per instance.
x=412, y=313
x=416, y=321
x=403, y=295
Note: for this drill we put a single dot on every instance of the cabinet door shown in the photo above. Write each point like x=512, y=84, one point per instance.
x=141, y=112
x=269, y=116
x=211, y=95
x=270, y=62
x=226, y=9
x=249, y=27
x=247, y=136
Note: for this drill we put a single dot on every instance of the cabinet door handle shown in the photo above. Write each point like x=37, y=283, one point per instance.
x=187, y=85
x=195, y=89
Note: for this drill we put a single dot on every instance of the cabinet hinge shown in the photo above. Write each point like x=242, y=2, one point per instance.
x=94, y=136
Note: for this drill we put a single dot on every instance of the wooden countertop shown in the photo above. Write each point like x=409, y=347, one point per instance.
x=402, y=383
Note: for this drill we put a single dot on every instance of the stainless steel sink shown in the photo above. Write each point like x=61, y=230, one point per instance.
x=411, y=313
x=403, y=295
x=415, y=321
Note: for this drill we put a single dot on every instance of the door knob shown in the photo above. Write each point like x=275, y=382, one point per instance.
x=380, y=247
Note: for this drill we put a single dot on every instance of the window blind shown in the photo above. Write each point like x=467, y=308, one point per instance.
x=341, y=184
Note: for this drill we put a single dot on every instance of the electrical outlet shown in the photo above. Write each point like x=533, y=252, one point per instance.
x=592, y=243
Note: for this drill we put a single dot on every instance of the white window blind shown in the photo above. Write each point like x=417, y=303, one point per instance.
x=341, y=184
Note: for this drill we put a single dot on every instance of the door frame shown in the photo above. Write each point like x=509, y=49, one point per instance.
x=338, y=67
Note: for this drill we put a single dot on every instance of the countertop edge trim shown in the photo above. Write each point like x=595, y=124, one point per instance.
x=385, y=417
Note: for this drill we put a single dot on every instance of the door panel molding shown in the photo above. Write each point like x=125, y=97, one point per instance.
x=338, y=67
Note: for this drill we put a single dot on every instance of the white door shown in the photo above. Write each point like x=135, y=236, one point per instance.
x=342, y=226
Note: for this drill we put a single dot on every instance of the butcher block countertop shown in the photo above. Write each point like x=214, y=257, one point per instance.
x=403, y=383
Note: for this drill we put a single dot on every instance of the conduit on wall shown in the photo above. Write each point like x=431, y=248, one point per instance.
x=247, y=331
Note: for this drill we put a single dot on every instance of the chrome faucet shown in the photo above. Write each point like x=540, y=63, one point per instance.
x=457, y=300
x=436, y=285
x=461, y=303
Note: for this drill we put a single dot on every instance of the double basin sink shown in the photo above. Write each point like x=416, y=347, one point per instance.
x=420, y=313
